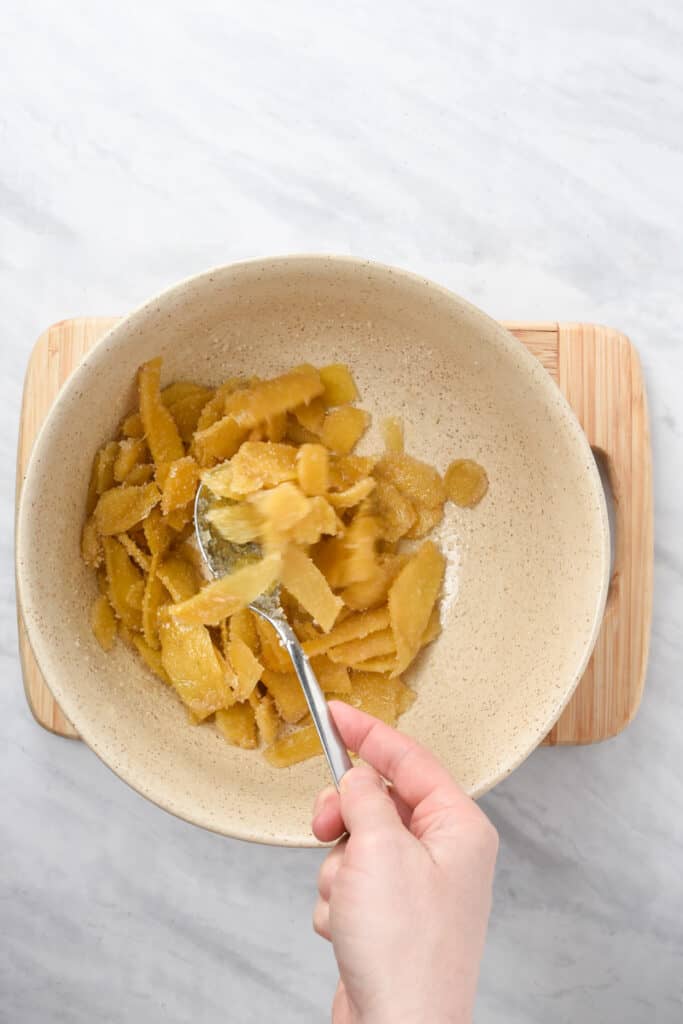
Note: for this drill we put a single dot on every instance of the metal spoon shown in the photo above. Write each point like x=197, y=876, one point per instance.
x=221, y=556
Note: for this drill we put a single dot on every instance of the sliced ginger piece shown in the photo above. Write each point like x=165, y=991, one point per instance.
x=135, y=595
x=385, y=699
x=247, y=668
x=101, y=474
x=154, y=597
x=280, y=508
x=296, y=434
x=373, y=591
x=237, y=724
x=104, y=469
x=396, y=513
x=339, y=385
x=179, y=519
x=372, y=646
x=243, y=627
x=386, y=663
x=353, y=495
x=251, y=406
x=91, y=545
x=392, y=434
x=123, y=507
x=356, y=627
x=161, y=433
x=219, y=482
x=185, y=401
x=273, y=655
x=285, y=689
x=333, y=678
x=298, y=746
x=425, y=521
x=180, y=484
x=466, y=482
x=194, y=667
x=151, y=657
x=132, y=452
x=382, y=664
x=346, y=470
x=122, y=576
x=140, y=557
x=405, y=698
x=313, y=468
x=219, y=441
x=359, y=555
x=261, y=464
x=103, y=622
x=267, y=719
x=321, y=519
x=343, y=428
x=157, y=532
x=132, y=426
x=239, y=523
x=420, y=483
x=178, y=576
x=433, y=627
x=306, y=583
x=275, y=427
x=227, y=595
x=141, y=474
x=215, y=406
x=412, y=597
x=311, y=416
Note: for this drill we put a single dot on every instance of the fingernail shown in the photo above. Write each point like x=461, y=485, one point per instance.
x=360, y=775
x=321, y=799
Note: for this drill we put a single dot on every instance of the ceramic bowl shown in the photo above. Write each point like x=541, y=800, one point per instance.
x=528, y=568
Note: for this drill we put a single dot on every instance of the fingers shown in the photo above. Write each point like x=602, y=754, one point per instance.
x=328, y=823
x=365, y=802
x=414, y=772
x=321, y=920
x=326, y=876
x=328, y=870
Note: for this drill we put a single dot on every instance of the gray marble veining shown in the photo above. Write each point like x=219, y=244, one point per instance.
x=528, y=155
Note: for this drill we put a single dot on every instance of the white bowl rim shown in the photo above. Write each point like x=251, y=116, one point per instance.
x=504, y=337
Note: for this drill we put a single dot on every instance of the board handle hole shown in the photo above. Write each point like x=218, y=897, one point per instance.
x=602, y=462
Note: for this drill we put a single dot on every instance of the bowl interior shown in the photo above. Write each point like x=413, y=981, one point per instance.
x=527, y=571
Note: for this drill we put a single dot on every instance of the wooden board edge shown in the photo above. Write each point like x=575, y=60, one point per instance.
x=533, y=331
x=641, y=458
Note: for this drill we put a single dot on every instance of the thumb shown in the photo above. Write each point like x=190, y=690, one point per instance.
x=365, y=802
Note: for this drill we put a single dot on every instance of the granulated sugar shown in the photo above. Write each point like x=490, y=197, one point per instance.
x=446, y=537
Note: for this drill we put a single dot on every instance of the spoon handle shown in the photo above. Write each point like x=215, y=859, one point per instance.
x=333, y=745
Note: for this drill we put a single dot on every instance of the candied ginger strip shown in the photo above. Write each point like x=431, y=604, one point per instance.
x=103, y=622
x=306, y=583
x=247, y=668
x=412, y=597
x=123, y=507
x=229, y=594
x=360, y=650
x=356, y=627
x=252, y=406
x=194, y=668
x=161, y=433
x=297, y=746
x=238, y=725
x=339, y=385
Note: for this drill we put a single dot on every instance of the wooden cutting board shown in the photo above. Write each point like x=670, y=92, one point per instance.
x=599, y=372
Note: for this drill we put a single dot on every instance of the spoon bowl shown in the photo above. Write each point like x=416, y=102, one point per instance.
x=222, y=556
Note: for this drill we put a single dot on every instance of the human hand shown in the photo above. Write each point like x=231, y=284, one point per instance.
x=405, y=899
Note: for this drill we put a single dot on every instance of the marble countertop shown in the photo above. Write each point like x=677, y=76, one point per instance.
x=528, y=155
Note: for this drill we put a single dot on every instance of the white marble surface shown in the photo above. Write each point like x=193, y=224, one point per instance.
x=530, y=156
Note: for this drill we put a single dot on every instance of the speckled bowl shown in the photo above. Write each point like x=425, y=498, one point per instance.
x=528, y=568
